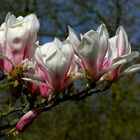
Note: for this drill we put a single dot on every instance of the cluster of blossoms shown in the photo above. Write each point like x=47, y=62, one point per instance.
x=52, y=67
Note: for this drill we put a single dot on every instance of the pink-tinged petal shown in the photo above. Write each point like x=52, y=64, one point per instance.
x=21, y=34
x=3, y=57
x=67, y=51
x=45, y=91
x=38, y=77
x=43, y=53
x=122, y=42
x=103, y=43
x=17, y=37
x=108, y=63
x=33, y=27
x=6, y=63
x=38, y=82
x=88, y=51
x=76, y=65
x=112, y=70
x=115, y=66
x=130, y=70
x=55, y=60
x=57, y=68
x=27, y=119
x=33, y=88
x=7, y=66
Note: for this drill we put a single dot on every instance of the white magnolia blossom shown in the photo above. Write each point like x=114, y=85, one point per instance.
x=92, y=49
x=17, y=39
x=101, y=56
x=55, y=59
x=119, y=50
x=52, y=67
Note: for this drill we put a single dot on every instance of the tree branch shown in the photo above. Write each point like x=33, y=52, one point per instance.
x=10, y=111
x=66, y=95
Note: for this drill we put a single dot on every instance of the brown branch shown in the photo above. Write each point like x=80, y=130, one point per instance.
x=10, y=111
x=5, y=128
x=66, y=95
x=87, y=91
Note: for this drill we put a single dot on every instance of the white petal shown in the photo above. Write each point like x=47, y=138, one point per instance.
x=128, y=49
x=67, y=49
x=89, y=47
x=35, y=81
x=38, y=57
x=57, y=67
x=58, y=42
x=113, y=66
x=102, y=30
x=56, y=63
x=132, y=69
x=17, y=36
x=113, y=47
x=128, y=57
x=81, y=36
x=91, y=34
x=73, y=38
x=28, y=65
x=104, y=37
x=10, y=19
x=122, y=42
x=32, y=23
x=33, y=27
x=2, y=37
x=20, y=18
x=44, y=52
x=33, y=76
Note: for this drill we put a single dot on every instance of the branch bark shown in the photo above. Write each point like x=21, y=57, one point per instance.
x=66, y=95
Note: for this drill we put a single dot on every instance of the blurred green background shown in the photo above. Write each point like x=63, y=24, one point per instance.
x=111, y=115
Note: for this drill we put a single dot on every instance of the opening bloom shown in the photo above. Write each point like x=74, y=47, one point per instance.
x=17, y=39
x=119, y=49
x=101, y=56
x=48, y=69
x=91, y=49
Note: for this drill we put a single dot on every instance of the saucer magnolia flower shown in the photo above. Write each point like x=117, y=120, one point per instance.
x=27, y=119
x=17, y=38
x=91, y=49
x=119, y=49
x=32, y=71
x=54, y=59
